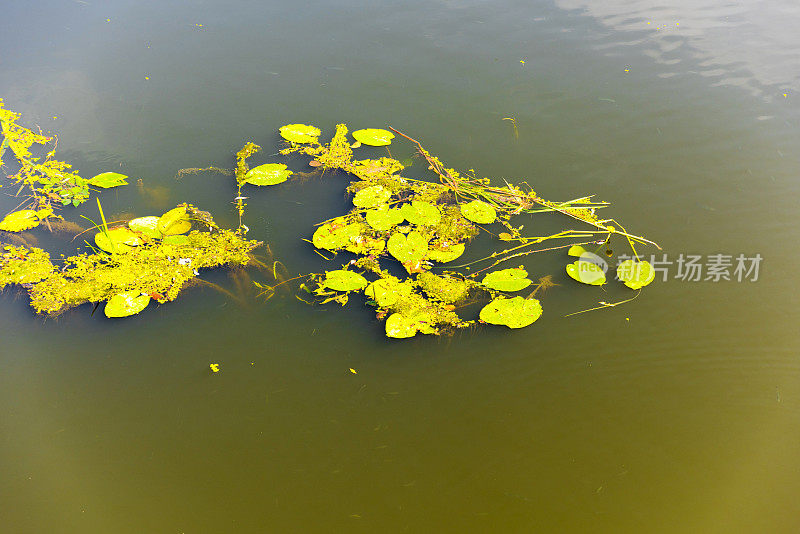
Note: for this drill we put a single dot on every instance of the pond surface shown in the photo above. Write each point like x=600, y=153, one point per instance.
x=675, y=413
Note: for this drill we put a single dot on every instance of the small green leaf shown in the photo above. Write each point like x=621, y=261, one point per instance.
x=175, y=221
x=267, y=174
x=400, y=327
x=373, y=136
x=507, y=280
x=126, y=303
x=108, y=179
x=371, y=196
x=300, y=133
x=479, y=212
x=387, y=291
x=19, y=221
x=179, y=239
x=442, y=254
x=342, y=280
x=335, y=235
x=384, y=217
x=146, y=225
x=408, y=250
x=586, y=272
x=576, y=250
x=635, y=274
x=517, y=312
x=120, y=239
x=421, y=213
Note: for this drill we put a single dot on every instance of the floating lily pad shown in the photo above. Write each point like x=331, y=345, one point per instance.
x=635, y=274
x=342, y=280
x=507, y=280
x=175, y=221
x=383, y=218
x=267, y=174
x=108, y=179
x=400, y=327
x=576, y=250
x=479, y=212
x=387, y=291
x=19, y=221
x=117, y=240
x=421, y=213
x=586, y=272
x=371, y=196
x=126, y=303
x=373, y=136
x=408, y=250
x=335, y=235
x=146, y=225
x=516, y=312
x=300, y=133
x=446, y=254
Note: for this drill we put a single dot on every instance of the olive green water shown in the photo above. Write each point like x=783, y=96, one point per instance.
x=683, y=418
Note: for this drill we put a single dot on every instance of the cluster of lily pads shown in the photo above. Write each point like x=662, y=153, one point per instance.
x=423, y=226
x=149, y=258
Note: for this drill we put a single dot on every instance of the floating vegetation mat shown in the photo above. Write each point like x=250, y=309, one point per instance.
x=417, y=227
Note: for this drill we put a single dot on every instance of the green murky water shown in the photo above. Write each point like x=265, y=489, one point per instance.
x=682, y=419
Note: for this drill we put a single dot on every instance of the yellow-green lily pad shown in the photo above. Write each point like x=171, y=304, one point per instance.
x=635, y=274
x=516, y=312
x=300, y=133
x=586, y=272
x=267, y=174
x=335, y=235
x=479, y=212
x=178, y=239
x=383, y=218
x=372, y=196
x=507, y=279
x=444, y=254
x=108, y=179
x=120, y=239
x=421, y=213
x=408, y=250
x=373, y=136
x=342, y=280
x=175, y=221
x=146, y=225
x=387, y=291
x=19, y=221
x=126, y=303
x=400, y=327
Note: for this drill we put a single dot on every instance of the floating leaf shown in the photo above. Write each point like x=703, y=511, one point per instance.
x=300, y=133
x=126, y=303
x=371, y=196
x=576, y=250
x=384, y=217
x=408, y=250
x=516, y=312
x=120, y=239
x=444, y=254
x=267, y=174
x=479, y=212
x=342, y=280
x=146, y=225
x=636, y=274
x=387, y=291
x=586, y=272
x=108, y=179
x=335, y=235
x=175, y=221
x=400, y=327
x=373, y=136
x=507, y=279
x=421, y=213
x=19, y=221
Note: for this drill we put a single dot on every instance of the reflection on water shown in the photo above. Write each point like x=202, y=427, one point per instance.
x=681, y=419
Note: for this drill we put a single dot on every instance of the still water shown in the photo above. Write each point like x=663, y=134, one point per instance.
x=675, y=413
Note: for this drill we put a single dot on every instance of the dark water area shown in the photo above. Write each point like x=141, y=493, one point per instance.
x=677, y=412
